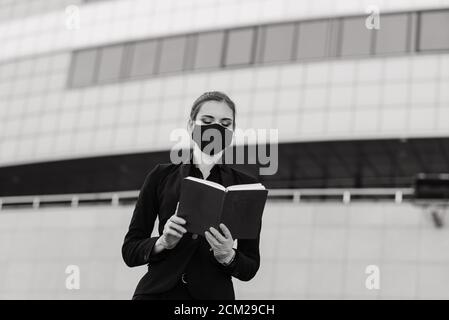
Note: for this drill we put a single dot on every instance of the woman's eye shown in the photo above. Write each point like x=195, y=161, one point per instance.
x=207, y=121
x=226, y=123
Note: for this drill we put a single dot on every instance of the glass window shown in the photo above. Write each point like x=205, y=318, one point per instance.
x=110, y=63
x=312, y=40
x=83, y=67
x=172, y=54
x=434, y=33
x=392, y=37
x=356, y=37
x=143, y=58
x=277, y=43
x=240, y=47
x=209, y=49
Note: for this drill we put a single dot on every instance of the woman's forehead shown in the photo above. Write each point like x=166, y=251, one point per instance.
x=217, y=109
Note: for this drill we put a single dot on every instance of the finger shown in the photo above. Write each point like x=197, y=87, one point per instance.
x=177, y=220
x=226, y=231
x=217, y=235
x=211, y=239
x=174, y=233
x=208, y=240
x=177, y=227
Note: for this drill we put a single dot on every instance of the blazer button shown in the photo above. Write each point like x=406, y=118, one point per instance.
x=194, y=236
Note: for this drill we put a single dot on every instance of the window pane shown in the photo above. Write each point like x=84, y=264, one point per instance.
x=312, y=40
x=434, y=30
x=83, y=67
x=208, y=50
x=356, y=37
x=110, y=63
x=143, y=58
x=278, y=44
x=393, y=34
x=172, y=54
x=240, y=47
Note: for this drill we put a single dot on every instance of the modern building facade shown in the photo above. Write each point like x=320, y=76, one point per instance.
x=91, y=90
x=116, y=77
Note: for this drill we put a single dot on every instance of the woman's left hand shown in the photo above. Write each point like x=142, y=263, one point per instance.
x=221, y=245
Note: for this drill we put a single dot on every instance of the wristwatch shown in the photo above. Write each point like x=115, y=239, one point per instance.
x=232, y=259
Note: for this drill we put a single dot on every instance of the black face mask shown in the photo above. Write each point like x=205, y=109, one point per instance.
x=211, y=138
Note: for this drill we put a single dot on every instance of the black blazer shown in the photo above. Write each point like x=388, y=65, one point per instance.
x=206, y=277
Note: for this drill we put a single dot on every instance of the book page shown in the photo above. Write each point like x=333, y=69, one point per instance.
x=207, y=182
x=251, y=186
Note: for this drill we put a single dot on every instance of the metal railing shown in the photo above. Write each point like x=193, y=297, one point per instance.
x=295, y=195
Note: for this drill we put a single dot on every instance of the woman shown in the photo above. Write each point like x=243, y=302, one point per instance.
x=182, y=265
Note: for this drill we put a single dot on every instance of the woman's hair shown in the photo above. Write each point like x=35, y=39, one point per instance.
x=214, y=96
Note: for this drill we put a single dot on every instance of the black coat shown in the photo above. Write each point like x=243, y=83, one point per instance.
x=206, y=277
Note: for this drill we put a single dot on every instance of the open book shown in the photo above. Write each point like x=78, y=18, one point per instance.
x=206, y=204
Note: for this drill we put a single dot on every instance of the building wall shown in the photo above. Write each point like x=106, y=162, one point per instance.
x=104, y=22
x=42, y=119
x=329, y=100
x=309, y=250
x=20, y=9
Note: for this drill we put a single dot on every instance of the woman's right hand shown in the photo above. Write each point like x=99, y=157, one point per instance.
x=172, y=233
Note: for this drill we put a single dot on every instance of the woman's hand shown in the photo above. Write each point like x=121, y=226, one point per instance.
x=221, y=245
x=173, y=232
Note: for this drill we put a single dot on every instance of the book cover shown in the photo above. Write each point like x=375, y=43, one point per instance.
x=204, y=204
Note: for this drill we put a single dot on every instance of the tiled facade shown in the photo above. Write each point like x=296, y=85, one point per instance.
x=366, y=98
x=13, y=9
x=308, y=250
x=42, y=119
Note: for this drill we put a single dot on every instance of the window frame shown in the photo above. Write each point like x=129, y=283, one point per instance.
x=261, y=42
x=121, y=74
x=73, y=68
x=410, y=28
x=419, y=32
x=342, y=37
x=128, y=66
x=253, y=48
x=183, y=58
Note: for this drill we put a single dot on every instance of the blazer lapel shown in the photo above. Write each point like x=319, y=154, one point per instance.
x=185, y=166
x=183, y=171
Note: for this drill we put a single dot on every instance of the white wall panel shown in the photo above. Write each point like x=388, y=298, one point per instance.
x=115, y=21
x=323, y=100
x=397, y=96
x=308, y=250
